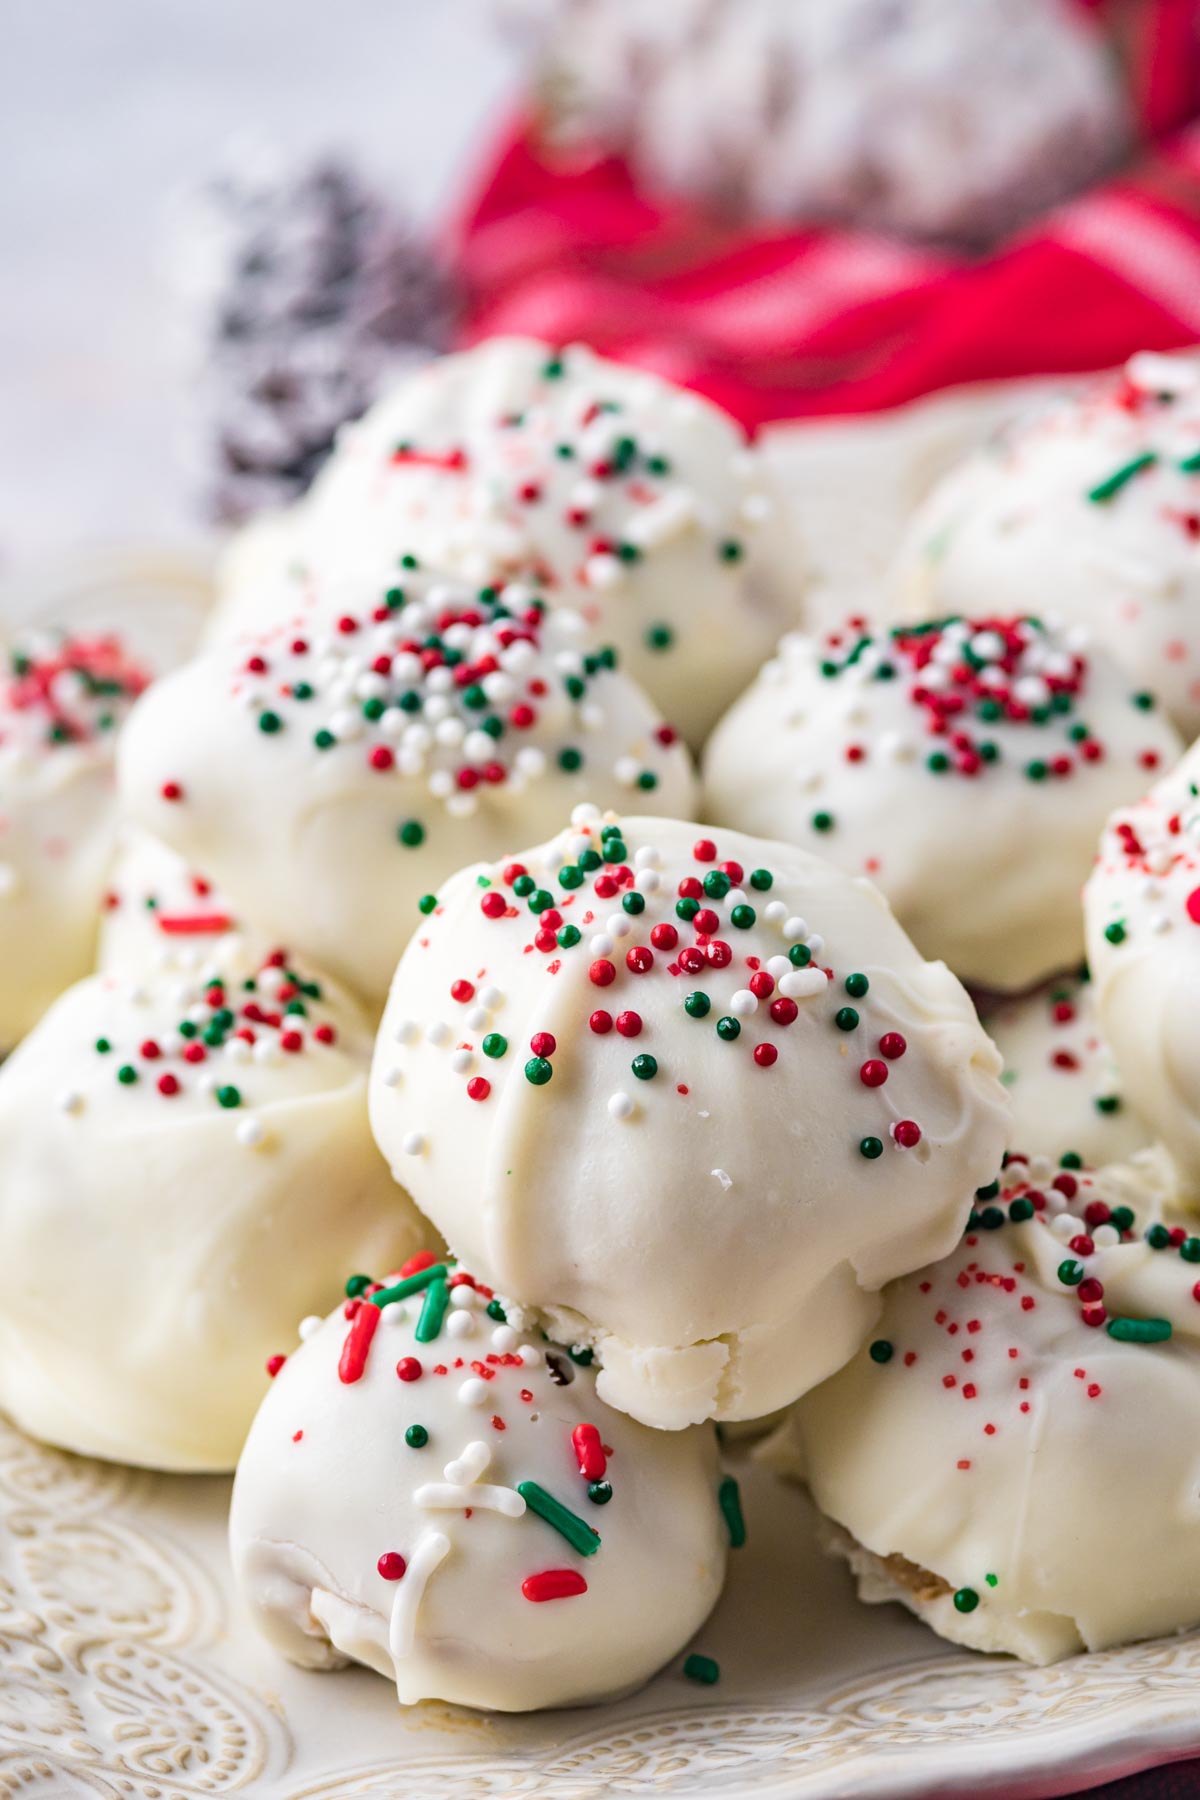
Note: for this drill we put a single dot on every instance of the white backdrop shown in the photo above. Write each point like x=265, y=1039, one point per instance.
x=107, y=109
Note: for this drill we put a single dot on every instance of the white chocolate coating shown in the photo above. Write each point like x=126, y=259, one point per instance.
x=722, y=1144
x=328, y=1484
x=946, y=765
x=659, y=524
x=929, y=118
x=184, y=1219
x=1066, y=1091
x=330, y=780
x=62, y=701
x=1142, y=908
x=1012, y=1451
x=154, y=906
x=1017, y=526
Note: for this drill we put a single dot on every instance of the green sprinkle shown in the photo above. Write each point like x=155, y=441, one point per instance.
x=647, y=780
x=103, y=1046
x=524, y=884
x=127, y=1074
x=846, y=1019
x=870, y=1147
x=1107, y=1103
x=411, y=834
x=728, y=1028
x=599, y=1492
x=1191, y=464
x=570, y=759
x=1112, y=484
x=581, y=1537
x=937, y=762
x=1145, y=702
x=697, y=1006
x=570, y=877
x=355, y=1286
x=731, y=551
x=989, y=1192
x=568, y=937
x=633, y=902
x=1071, y=1159
x=324, y=740
x=269, y=722
x=437, y=1299
x=881, y=1351
x=538, y=1071
x=301, y=690
x=1115, y=933
x=743, y=917
x=1190, y=1249
x=1158, y=1237
x=1122, y=1217
x=541, y=900
x=966, y=1600
x=992, y=1580
x=822, y=821
x=494, y=1044
x=645, y=1067
x=991, y=1218
x=372, y=709
x=1020, y=1211
x=228, y=1097
x=659, y=637
x=856, y=986
x=411, y=1284
x=495, y=1310
x=702, y=1669
x=416, y=1437
x=1139, y=1331
x=730, y=1501
x=583, y=1354
x=761, y=880
x=686, y=909
x=427, y=903
x=1070, y=1273
x=799, y=956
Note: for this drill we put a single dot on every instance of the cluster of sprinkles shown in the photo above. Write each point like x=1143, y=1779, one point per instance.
x=66, y=690
x=638, y=928
x=1153, y=393
x=223, y=1028
x=984, y=1362
x=595, y=468
x=455, y=690
x=980, y=694
x=462, y=1330
x=1153, y=849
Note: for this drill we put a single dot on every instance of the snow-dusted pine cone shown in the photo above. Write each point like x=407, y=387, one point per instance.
x=933, y=119
x=304, y=291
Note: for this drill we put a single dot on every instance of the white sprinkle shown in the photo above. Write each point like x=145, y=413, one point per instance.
x=491, y=997
x=460, y=1324
x=406, y=1032
x=250, y=1133
x=775, y=911
x=1105, y=1235
x=795, y=927
x=504, y=1339
x=601, y=945
x=392, y=1077
x=438, y=1033
x=310, y=1326
x=1065, y=1226
x=802, y=984
x=461, y=1061
x=414, y=1144
x=744, y=1004
x=473, y=1392
x=465, y=1297
x=531, y=1356
x=620, y=1106
x=70, y=1101
x=725, y=1180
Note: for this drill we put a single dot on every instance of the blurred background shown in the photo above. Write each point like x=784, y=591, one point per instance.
x=226, y=227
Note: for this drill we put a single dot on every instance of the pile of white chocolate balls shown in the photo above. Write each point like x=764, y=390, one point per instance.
x=570, y=1097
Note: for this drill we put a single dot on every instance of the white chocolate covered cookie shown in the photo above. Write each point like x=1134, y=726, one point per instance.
x=965, y=766
x=331, y=778
x=427, y=1492
x=641, y=1047
x=1089, y=511
x=1013, y=1456
x=1142, y=906
x=629, y=500
x=181, y=1157
x=62, y=701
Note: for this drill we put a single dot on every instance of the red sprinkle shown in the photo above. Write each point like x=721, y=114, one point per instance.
x=589, y=1452
x=408, y=1368
x=274, y=1364
x=391, y=1565
x=554, y=1584
x=358, y=1341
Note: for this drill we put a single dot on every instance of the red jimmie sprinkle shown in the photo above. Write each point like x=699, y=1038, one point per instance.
x=275, y=1363
x=589, y=1452
x=193, y=924
x=353, y=1359
x=553, y=1584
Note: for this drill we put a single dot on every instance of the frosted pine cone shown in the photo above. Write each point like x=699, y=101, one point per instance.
x=305, y=292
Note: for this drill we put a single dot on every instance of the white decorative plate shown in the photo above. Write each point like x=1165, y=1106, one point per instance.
x=126, y=1671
